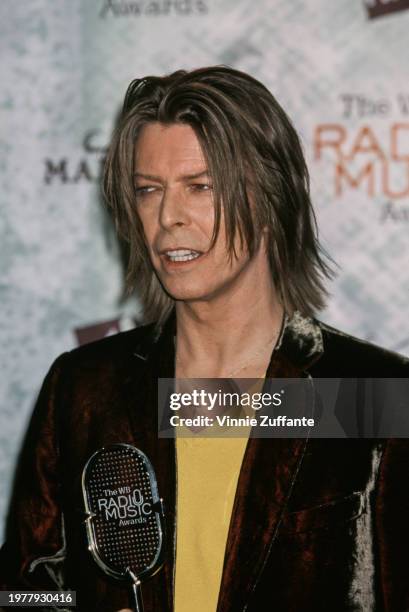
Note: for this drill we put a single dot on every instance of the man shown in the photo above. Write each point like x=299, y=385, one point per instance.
x=207, y=183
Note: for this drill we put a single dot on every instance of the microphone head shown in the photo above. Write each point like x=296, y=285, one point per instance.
x=125, y=526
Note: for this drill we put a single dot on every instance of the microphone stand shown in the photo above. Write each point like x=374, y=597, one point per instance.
x=136, y=591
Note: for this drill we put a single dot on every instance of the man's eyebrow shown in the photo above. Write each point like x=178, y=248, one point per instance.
x=185, y=177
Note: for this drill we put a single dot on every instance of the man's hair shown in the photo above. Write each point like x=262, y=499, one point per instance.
x=250, y=147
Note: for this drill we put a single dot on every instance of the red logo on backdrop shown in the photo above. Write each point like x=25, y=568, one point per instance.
x=367, y=150
x=378, y=8
x=365, y=160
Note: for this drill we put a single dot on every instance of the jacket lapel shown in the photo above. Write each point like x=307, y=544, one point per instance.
x=267, y=476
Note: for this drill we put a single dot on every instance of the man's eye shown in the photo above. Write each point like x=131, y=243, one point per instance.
x=201, y=187
x=141, y=191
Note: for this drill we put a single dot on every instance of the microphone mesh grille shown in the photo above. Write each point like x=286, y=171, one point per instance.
x=126, y=529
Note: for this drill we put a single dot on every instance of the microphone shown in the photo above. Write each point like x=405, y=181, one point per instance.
x=124, y=515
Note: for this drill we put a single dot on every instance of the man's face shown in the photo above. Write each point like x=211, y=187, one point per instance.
x=174, y=200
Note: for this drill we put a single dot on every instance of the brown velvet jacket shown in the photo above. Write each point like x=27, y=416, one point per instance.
x=317, y=525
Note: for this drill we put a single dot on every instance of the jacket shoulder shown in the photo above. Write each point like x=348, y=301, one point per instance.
x=348, y=355
x=114, y=349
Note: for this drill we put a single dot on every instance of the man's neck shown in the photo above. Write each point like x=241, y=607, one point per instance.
x=229, y=335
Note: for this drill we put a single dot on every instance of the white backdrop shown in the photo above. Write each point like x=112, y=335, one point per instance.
x=339, y=69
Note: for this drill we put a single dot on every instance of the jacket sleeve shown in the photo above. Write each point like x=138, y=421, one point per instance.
x=392, y=526
x=34, y=551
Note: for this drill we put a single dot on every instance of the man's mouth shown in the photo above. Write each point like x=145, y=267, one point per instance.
x=179, y=255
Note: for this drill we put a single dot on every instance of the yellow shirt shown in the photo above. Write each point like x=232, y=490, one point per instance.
x=208, y=470
x=207, y=473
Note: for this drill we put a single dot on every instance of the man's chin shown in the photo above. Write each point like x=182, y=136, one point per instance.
x=187, y=297
x=187, y=294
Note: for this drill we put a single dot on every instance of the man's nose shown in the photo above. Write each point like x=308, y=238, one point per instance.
x=174, y=209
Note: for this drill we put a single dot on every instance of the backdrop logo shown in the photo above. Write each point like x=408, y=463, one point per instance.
x=367, y=150
x=87, y=168
x=377, y=8
x=152, y=8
